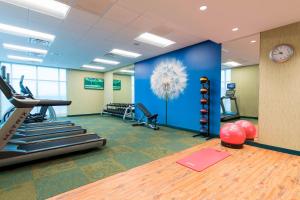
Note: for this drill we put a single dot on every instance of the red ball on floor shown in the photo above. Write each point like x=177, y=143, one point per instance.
x=248, y=127
x=232, y=135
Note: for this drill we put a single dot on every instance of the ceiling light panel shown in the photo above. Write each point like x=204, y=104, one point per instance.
x=93, y=67
x=155, y=40
x=47, y=7
x=126, y=71
x=26, y=59
x=104, y=61
x=125, y=53
x=24, y=49
x=232, y=64
x=22, y=32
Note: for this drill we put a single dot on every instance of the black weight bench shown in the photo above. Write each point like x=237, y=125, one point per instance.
x=147, y=120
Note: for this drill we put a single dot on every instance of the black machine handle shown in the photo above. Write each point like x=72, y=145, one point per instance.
x=21, y=102
x=5, y=88
x=48, y=102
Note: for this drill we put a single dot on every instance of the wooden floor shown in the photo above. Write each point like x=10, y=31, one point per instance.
x=250, y=173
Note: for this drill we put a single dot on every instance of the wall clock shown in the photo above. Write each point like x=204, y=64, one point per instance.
x=281, y=53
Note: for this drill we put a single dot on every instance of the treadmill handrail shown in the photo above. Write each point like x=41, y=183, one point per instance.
x=5, y=88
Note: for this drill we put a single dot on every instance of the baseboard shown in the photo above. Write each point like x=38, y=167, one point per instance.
x=273, y=148
x=82, y=115
x=189, y=130
x=249, y=117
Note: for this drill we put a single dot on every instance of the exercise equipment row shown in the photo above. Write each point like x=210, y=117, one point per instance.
x=20, y=144
x=25, y=91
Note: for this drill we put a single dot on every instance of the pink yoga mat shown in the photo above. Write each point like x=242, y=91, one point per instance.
x=203, y=159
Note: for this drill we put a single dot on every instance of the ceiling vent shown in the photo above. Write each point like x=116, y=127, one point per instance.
x=110, y=55
x=39, y=42
x=36, y=55
x=162, y=30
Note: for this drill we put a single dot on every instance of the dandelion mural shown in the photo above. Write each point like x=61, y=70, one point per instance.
x=169, y=80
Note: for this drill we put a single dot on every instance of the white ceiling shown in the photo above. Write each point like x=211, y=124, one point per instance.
x=242, y=50
x=94, y=27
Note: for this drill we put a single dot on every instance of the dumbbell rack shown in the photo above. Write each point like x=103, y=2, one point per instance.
x=205, y=109
x=124, y=110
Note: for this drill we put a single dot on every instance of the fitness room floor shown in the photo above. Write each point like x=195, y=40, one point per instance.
x=127, y=147
x=263, y=174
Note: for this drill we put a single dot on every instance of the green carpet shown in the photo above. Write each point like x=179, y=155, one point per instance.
x=127, y=147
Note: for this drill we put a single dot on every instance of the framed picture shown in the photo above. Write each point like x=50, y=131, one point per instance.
x=93, y=83
x=117, y=84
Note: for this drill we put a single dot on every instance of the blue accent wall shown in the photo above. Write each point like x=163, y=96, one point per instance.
x=203, y=59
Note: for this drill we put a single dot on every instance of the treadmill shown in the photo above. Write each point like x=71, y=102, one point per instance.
x=230, y=94
x=25, y=91
x=14, y=151
x=40, y=129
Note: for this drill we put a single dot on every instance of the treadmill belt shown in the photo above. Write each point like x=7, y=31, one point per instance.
x=59, y=143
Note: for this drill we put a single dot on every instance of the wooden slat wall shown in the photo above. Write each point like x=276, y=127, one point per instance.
x=279, y=92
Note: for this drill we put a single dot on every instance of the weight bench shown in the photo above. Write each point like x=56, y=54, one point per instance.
x=147, y=120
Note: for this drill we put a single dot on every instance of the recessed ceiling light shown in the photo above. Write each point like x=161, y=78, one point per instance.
x=232, y=64
x=47, y=7
x=93, y=67
x=126, y=71
x=14, y=30
x=104, y=61
x=235, y=29
x=27, y=59
x=155, y=40
x=24, y=49
x=203, y=8
x=253, y=41
x=125, y=53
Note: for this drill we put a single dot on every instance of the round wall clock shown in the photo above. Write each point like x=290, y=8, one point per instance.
x=281, y=53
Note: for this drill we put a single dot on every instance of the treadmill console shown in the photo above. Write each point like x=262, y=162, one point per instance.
x=230, y=92
x=231, y=86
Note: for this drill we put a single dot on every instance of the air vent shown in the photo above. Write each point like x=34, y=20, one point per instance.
x=110, y=55
x=39, y=42
x=162, y=30
x=35, y=55
x=55, y=54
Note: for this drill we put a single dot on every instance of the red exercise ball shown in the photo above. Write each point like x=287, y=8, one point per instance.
x=248, y=127
x=232, y=135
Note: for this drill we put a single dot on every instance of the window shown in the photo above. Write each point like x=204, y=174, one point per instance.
x=44, y=83
x=225, y=79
